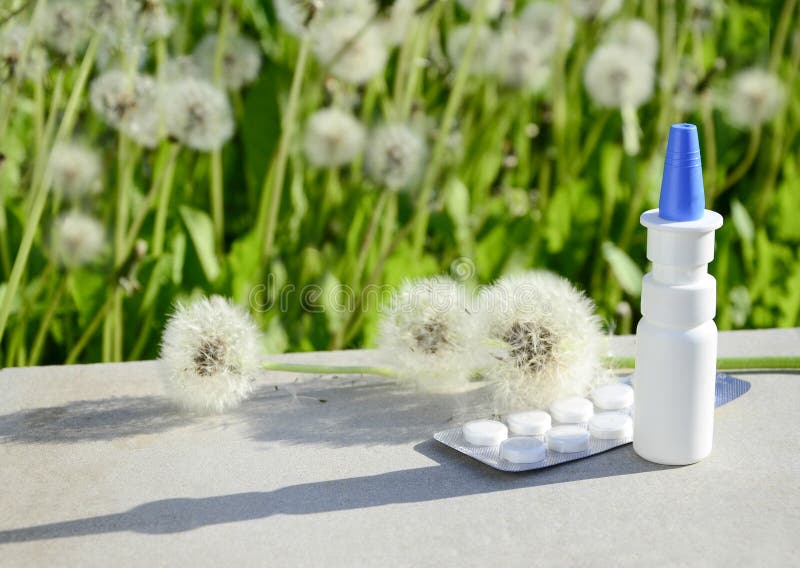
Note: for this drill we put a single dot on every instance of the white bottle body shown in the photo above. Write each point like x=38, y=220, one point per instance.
x=674, y=385
x=676, y=343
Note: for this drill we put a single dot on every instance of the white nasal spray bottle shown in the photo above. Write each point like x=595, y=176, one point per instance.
x=676, y=340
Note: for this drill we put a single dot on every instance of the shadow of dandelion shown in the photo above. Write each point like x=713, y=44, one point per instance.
x=91, y=420
x=355, y=411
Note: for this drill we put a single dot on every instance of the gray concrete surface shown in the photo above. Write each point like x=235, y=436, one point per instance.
x=96, y=469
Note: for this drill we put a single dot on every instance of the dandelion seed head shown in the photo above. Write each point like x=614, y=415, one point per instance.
x=181, y=67
x=241, y=60
x=155, y=20
x=333, y=138
x=517, y=62
x=129, y=103
x=352, y=50
x=127, y=52
x=210, y=353
x=544, y=23
x=293, y=15
x=616, y=76
x=395, y=23
x=395, y=156
x=704, y=13
x=63, y=26
x=78, y=239
x=12, y=42
x=636, y=35
x=36, y=64
x=298, y=16
x=600, y=9
x=755, y=97
x=481, y=63
x=493, y=7
x=197, y=114
x=685, y=97
x=428, y=335
x=545, y=337
x=75, y=169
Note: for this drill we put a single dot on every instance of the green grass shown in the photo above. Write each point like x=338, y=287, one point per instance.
x=534, y=181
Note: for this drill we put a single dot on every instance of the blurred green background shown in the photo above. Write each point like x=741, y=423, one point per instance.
x=521, y=136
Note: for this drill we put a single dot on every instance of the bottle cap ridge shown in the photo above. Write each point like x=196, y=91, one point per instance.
x=682, y=194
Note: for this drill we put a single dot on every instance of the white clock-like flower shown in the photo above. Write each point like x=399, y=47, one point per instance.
x=333, y=138
x=428, y=335
x=350, y=47
x=395, y=156
x=547, y=25
x=616, y=76
x=755, y=97
x=241, y=60
x=636, y=35
x=545, y=340
x=600, y=9
x=197, y=114
x=75, y=169
x=128, y=102
x=210, y=354
x=77, y=239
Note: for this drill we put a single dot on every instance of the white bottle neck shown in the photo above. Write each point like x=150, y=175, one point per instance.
x=676, y=275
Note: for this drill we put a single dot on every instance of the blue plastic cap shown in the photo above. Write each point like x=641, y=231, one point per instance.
x=682, y=195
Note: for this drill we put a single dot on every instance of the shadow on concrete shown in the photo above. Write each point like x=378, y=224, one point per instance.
x=453, y=477
x=91, y=420
x=343, y=411
x=336, y=411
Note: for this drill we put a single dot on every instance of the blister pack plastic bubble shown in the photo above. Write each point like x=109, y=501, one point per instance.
x=727, y=388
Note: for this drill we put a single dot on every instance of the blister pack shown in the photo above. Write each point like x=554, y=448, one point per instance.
x=574, y=429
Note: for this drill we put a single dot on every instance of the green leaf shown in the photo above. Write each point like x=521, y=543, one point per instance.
x=262, y=126
x=742, y=221
x=456, y=196
x=159, y=276
x=244, y=265
x=178, y=256
x=87, y=290
x=627, y=272
x=201, y=232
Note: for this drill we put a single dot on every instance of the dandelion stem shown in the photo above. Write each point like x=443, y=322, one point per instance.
x=724, y=363
x=590, y=142
x=71, y=110
x=740, y=170
x=160, y=229
x=329, y=369
x=53, y=304
x=271, y=192
x=369, y=237
x=163, y=176
x=784, y=21
x=89, y=331
x=630, y=130
x=217, y=204
x=709, y=145
x=448, y=118
x=777, y=139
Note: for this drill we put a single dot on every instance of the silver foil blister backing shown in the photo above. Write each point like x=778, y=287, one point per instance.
x=727, y=388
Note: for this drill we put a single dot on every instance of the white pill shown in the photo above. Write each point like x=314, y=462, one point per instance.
x=573, y=410
x=568, y=439
x=617, y=396
x=611, y=426
x=484, y=432
x=529, y=423
x=523, y=449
